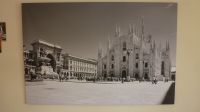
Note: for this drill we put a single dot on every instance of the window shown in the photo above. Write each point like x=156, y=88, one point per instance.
x=136, y=76
x=105, y=66
x=146, y=65
x=112, y=66
x=124, y=46
x=136, y=65
x=124, y=58
x=163, y=68
x=112, y=58
x=137, y=56
x=70, y=67
x=41, y=52
x=67, y=67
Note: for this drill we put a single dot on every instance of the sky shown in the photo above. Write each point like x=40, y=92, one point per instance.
x=79, y=27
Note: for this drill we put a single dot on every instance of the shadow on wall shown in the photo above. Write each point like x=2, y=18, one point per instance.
x=169, y=97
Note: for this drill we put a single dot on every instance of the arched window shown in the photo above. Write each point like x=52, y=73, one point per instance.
x=104, y=66
x=136, y=76
x=146, y=77
x=112, y=57
x=124, y=46
x=136, y=65
x=146, y=65
x=70, y=67
x=124, y=58
x=163, y=68
x=112, y=66
x=137, y=56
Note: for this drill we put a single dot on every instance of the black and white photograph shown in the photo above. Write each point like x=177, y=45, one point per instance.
x=99, y=53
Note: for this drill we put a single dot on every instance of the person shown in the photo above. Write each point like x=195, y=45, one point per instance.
x=31, y=74
x=59, y=75
x=62, y=77
x=65, y=76
x=154, y=81
x=94, y=79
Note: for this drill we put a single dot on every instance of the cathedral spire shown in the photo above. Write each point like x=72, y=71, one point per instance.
x=109, y=43
x=159, y=49
x=100, y=47
x=166, y=45
x=149, y=38
x=141, y=32
x=135, y=28
x=168, y=48
x=142, y=27
x=100, y=51
x=131, y=29
x=154, y=44
x=117, y=31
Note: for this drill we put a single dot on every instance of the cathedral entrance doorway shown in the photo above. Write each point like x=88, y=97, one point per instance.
x=124, y=75
x=136, y=76
x=105, y=75
x=146, y=77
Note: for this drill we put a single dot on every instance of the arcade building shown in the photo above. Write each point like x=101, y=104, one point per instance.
x=46, y=59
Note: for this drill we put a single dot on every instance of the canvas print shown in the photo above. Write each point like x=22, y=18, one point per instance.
x=99, y=53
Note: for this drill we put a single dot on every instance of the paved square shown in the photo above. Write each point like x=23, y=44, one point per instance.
x=54, y=92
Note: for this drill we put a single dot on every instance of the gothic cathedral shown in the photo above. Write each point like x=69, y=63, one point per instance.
x=134, y=56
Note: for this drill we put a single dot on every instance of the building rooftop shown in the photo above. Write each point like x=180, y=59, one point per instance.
x=46, y=43
x=85, y=59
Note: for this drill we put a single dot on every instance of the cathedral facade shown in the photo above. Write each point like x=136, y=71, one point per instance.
x=134, y=55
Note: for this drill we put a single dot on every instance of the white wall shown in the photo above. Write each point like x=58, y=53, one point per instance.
x=188, y=65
